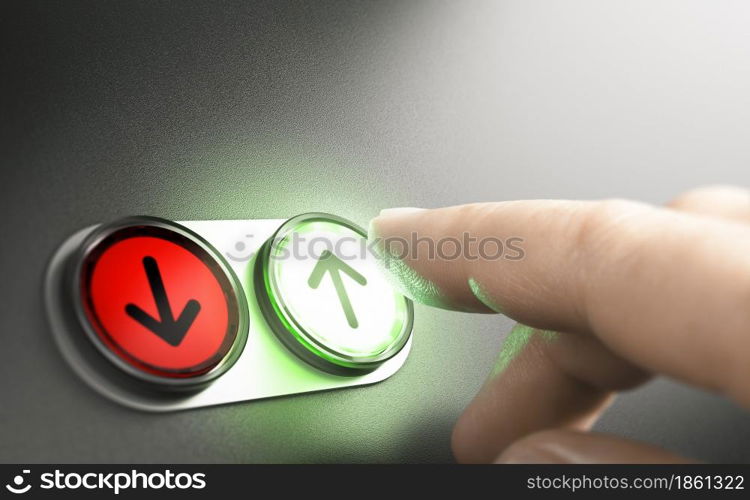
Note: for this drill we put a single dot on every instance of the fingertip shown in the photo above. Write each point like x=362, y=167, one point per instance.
x=538, y=448
x=467, y=444
x=388, y=237
x=559, y=446
x=722, y=201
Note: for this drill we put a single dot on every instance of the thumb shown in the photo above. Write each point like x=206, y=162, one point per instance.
x=575, y=447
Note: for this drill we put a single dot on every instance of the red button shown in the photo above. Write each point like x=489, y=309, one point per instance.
x=161, y=300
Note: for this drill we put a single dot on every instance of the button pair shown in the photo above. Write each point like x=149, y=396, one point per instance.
x=161, y=303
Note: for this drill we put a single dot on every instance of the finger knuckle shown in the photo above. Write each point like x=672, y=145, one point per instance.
x=701, y=195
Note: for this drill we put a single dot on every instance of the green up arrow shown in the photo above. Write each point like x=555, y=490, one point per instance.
x=333, y=265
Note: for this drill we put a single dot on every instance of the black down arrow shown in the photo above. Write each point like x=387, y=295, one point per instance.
x=166, y=327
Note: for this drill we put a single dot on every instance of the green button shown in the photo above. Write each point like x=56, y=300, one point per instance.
x=325, y=297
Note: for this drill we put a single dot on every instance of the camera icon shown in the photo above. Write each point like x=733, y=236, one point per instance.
x=17, y=486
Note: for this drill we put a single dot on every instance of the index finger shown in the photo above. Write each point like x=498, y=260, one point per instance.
x=668, y=291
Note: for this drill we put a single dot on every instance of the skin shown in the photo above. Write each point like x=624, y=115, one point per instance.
x=607, y=294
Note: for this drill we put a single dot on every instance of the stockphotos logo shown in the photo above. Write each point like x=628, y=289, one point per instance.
x=109, y=481
x=17, y=485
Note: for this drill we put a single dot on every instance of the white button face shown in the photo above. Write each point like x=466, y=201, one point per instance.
x=330, y=295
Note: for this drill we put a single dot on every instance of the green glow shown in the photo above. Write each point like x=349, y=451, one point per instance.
x=482, y=296
x=333, y=266
x=314, y=314
x=514, y=344
x=279, y=360
x=268, y=177
x=259, y=177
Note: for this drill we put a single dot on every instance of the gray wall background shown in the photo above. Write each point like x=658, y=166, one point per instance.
x=191, y=110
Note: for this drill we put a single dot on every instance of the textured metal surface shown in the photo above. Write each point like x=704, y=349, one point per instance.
x=266, y=110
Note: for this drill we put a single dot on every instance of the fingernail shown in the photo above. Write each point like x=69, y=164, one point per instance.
x=387, y=212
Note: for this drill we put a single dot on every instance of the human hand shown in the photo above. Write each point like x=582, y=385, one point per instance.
x=606, y=294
